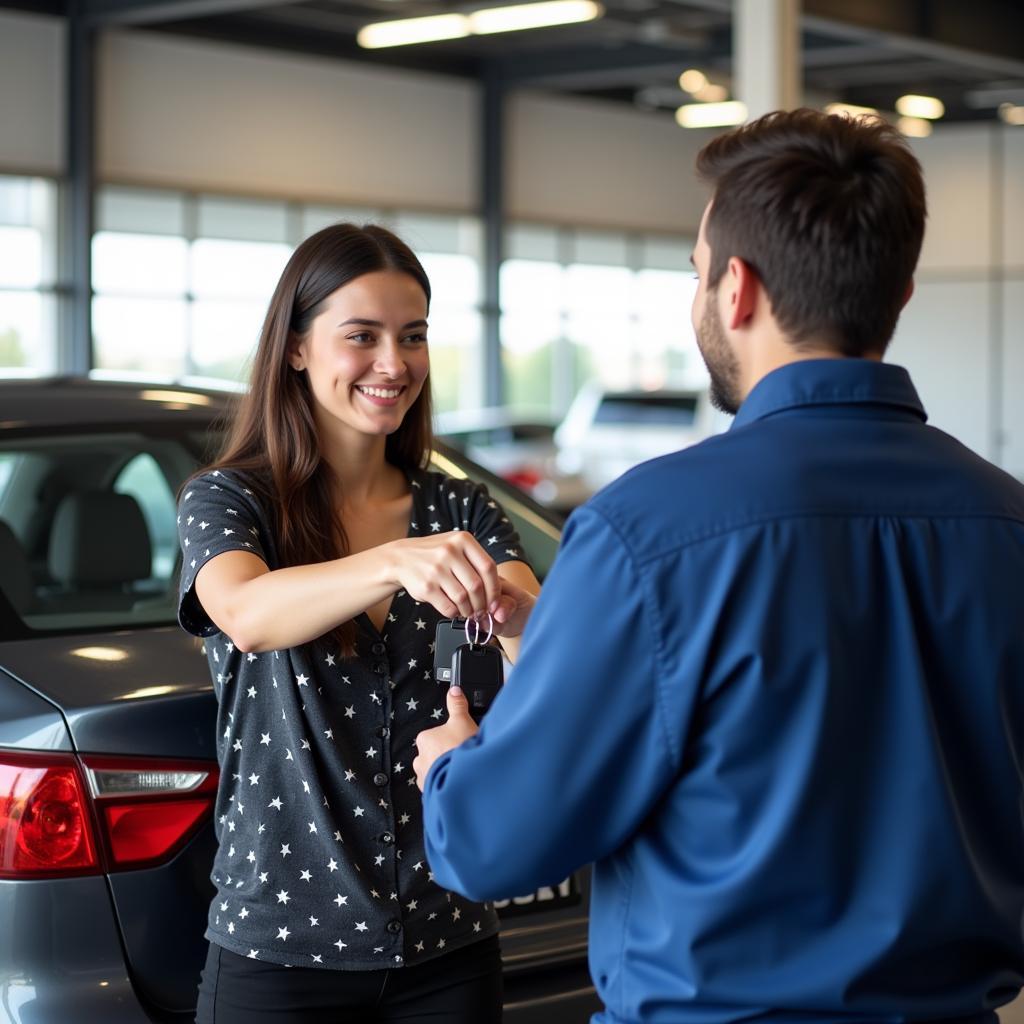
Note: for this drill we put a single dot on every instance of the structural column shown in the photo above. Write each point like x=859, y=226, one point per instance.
x=766, y=55
x=492, y=208
x=75, y=352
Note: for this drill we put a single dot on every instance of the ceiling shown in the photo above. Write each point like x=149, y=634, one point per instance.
x=867, y=52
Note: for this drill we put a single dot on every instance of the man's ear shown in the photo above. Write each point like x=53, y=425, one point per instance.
x=908, y=293
x=742, y=287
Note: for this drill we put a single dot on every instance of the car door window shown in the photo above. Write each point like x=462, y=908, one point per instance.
x=143, y=479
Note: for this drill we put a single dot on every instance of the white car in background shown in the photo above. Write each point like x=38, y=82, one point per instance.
x=605, y=432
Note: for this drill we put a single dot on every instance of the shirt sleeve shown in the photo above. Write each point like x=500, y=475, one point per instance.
x=488, y=522
x=574, y=751
x=216, y=513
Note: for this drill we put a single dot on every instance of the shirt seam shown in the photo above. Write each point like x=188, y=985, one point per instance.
x=723, y=530
x=653, y=620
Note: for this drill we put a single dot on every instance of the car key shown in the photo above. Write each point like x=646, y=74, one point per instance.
x=478, y=669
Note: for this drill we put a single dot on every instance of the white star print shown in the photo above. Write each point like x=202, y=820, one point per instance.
x=379, y=859
x=330, y=660
x=350, y=712
x=332, y=865
x=276, y=803
x=420, y=624
x=412, y=663
x=253, y=954
x=411, y=906
x=340, y=900
x=312, y=826
x=283, y=933
x=265, y=739
x=301, y=680
x=317, y=958
x=412, y=704
x=251, y=692
x=341, y=945
x=283, y=897
x=419, y=947
x=254, y=779
x=371, y=752
x=263, y=877
x=305, y=876
x=435, y=527
x=285, y=849
x=361, y=926
x=358, y=812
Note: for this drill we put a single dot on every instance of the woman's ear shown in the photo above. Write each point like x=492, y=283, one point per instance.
x=296, y=354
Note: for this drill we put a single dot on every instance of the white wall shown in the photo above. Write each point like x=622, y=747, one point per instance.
x=31, y=94
x=209, y=116
x=962, y=335
x=574, y=160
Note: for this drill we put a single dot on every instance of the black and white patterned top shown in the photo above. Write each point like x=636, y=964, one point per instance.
x=318, y=817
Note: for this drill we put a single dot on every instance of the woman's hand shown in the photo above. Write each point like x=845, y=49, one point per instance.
x=452, y=572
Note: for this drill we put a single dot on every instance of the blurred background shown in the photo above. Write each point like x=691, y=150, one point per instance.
x=159, y=159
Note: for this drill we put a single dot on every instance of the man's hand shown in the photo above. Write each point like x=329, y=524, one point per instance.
x=432, y=743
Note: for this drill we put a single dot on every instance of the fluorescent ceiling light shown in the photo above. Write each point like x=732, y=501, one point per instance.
x=920, y=106
x=711, y=115
x=915, y=127
x=850, y=109
x=407, y=31
x=542, y=15
x=692, y=80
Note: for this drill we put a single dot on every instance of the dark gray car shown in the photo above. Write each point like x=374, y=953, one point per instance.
x=107, y=762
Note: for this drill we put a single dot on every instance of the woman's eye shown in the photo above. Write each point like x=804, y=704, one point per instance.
x=415, y=339
x=362, y=336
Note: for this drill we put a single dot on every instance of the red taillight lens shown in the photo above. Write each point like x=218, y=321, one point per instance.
x=45, y=824
x=149, y=808
x=147, y=832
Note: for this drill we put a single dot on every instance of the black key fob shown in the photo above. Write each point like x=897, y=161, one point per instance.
x=448, y=638
x=479, y=671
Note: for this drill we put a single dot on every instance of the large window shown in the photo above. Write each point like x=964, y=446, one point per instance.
x=28, y=275
x=581, y=305
x=182, y=283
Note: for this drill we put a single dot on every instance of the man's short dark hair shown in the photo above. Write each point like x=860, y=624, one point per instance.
x=829, y=211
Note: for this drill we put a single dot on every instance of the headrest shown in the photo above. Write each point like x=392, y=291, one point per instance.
x=15, y=571
x=99, y=538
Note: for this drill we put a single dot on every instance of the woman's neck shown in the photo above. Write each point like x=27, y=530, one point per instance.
x=363, y=474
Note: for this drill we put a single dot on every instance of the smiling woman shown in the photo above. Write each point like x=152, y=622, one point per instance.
x=319, y=555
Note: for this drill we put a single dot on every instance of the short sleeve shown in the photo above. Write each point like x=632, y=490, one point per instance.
x=491, y=526
x=216, y=513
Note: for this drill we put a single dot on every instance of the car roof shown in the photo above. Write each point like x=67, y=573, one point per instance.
x=53, y=403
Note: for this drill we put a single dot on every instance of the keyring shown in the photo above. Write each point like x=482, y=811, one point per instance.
x=475, y=639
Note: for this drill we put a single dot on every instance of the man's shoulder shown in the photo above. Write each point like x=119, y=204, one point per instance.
x=675, y=497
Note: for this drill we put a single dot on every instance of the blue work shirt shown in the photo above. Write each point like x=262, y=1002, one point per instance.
x=774, y=689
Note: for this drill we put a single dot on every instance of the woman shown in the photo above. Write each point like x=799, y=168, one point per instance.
x=318, y=556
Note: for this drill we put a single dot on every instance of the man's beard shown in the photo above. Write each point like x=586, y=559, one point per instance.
x=719, y=359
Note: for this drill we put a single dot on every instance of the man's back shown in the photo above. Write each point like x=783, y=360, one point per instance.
x=840, y=611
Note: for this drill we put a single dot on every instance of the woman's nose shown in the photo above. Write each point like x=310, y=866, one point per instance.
x=389, y=361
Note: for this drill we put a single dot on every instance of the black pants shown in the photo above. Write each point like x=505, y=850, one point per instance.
x=463, y=987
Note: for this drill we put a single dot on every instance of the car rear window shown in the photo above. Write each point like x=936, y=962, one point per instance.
x=88, y=530
x=88, y=535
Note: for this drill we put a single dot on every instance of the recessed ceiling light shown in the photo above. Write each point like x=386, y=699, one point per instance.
x=920, y=106
x=711, y=115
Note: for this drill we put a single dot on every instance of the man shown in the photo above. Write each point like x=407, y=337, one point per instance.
x=774, y=685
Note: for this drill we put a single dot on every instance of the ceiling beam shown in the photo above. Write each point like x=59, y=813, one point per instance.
x=108, y=13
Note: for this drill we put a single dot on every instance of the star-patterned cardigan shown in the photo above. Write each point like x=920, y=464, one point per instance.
x=320, y=859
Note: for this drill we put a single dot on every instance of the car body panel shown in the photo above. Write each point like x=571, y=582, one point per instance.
x=28, y=720
x=160, y=690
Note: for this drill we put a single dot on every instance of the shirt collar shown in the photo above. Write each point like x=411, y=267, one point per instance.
x=830, y=382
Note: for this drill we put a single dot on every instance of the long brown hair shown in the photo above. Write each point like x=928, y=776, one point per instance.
x=273, y=438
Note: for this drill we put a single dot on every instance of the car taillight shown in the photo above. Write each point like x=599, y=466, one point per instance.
x=45, y=821
x=149, y=808
x=52, y=804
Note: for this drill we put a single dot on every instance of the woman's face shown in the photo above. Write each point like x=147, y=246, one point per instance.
x=366, y=354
